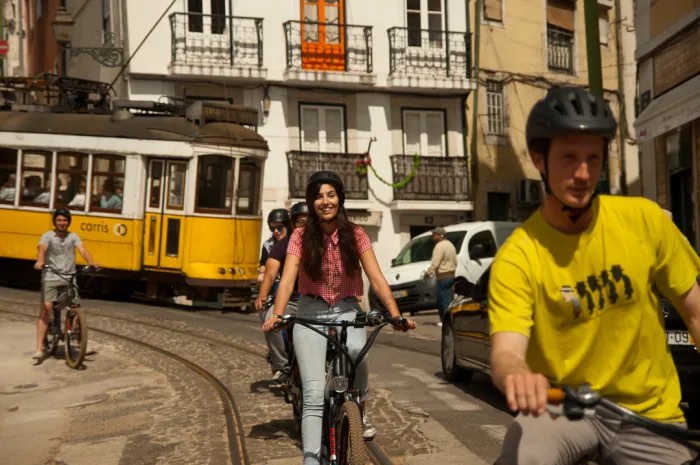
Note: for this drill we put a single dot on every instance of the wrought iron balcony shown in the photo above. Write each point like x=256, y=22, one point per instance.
x=199, y=39
x=560, y=49
x=301, y=165
x=437, y=178
x=429, y=52
x=328, y=46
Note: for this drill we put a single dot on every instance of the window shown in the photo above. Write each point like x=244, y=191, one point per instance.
x=176, y=185
x=493, y=10
x=603, y=26
x=421, y=15
x=8, y=175
x=107, y=183
x=71, y=172
x=209, y=12
x=424, y=132
x=248, y=188
x=420, y=249
x=322, y=128
x=214, y=183
x=560, y=35
x=485, y=240
x=36, y=178
x=494, y=107
x=498, y=205
x=106, y=21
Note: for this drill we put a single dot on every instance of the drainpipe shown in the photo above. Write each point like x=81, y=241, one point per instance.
x=621, y=96
x=20, y=25
x=465, y=127
x=475, y=101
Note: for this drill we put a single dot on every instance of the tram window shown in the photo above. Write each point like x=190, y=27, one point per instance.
x=8, y=175
x=248, y=188
x=214, y=183
x=176, y=185
x=36, y=178
x=107, y=183
x=71, y=172
x=156, y=180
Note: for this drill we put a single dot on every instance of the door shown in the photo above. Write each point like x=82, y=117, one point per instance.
x=164, y=217
x=322, y=35
x=208, y=35
x=426, y=34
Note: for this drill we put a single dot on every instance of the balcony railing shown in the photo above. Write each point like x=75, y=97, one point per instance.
x=328, y=46
x=429, y=52
x=560, y=49
x=301, y=165
x=437, y=178
x=199, y=39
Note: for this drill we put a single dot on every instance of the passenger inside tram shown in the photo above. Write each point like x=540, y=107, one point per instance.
x=110, y=197
x=45, y=194
x=78, y=199
x=32, y=188
x=7, y=191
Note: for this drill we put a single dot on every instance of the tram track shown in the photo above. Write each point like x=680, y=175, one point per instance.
x=235, y=431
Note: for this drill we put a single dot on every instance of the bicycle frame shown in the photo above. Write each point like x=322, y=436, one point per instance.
x=340, y=371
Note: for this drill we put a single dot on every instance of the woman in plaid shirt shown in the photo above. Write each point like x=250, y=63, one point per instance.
x=328, y=257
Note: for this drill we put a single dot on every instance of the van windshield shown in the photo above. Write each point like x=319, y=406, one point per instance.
x=420, y=249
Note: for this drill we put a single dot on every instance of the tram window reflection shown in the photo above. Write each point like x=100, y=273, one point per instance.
x=8, y=175
x=176, y=185
x=107, y=191
x=248, y=188
x=36, y=178
x=214, y=183
x=71, y=172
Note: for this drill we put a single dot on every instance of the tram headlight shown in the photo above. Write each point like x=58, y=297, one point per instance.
x=232, y=270
x=339, y=384
x=221, y=270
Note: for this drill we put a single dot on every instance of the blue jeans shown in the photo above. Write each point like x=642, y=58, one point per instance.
x=310, y=350
x=444, y=295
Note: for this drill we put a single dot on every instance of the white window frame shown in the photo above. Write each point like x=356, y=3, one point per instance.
x=423, y=114
x=495, y=108
x=425, y=23
x=322, y=142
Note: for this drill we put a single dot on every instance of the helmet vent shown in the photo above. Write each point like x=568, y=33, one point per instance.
x=594, y=105
x=577, y=106
x=559, y=109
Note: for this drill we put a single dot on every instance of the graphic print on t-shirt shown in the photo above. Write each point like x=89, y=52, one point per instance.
x=601, y=291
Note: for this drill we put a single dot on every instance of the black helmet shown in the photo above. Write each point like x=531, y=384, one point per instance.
x=299, y=208
x=61, y=212
x=278, y=215
x=566, y=110
x=324, y=177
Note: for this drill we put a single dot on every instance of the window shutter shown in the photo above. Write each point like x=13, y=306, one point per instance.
x=310, y=129
x=334, y=130
x=493, y=10
x=413, y=132
x=435, y=132
x=560, y=13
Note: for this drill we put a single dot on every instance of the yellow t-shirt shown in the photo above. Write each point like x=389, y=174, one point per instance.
x=588, y=302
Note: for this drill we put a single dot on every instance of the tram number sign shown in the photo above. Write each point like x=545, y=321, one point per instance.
x=4, y=47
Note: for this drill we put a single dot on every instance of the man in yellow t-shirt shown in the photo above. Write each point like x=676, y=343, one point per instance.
x=574, y=299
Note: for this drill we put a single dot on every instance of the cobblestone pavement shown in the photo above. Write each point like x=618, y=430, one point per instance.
x=139, y=407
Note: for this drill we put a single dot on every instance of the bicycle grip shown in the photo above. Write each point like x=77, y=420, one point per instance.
x=555, y=396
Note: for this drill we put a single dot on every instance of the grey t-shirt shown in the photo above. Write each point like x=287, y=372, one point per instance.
x=60, y=254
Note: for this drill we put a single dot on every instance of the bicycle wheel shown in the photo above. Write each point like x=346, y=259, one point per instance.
x=53, y=334
x=76, y=334
x=351, y=443
x=297, y=396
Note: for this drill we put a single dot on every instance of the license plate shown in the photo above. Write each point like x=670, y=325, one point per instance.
x=399, y=294
x=679, y=338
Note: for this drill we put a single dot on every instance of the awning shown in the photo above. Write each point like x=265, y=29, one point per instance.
x=673, y=109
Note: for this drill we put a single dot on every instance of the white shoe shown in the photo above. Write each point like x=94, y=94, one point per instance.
x=369, y=431
x=439, y=324
x=39, y=355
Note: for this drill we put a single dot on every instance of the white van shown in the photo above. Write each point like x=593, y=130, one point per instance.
x=476, y=243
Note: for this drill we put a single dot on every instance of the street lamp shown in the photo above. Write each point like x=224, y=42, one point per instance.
x=109, y=56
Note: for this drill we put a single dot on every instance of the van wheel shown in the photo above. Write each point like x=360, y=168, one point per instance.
x=452, y=371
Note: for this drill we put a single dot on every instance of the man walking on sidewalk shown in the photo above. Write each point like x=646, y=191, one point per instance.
x=443, y=264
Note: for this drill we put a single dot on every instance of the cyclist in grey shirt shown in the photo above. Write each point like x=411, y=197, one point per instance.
x=57, y=250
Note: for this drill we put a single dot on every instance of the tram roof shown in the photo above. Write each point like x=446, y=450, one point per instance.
x=124, y=124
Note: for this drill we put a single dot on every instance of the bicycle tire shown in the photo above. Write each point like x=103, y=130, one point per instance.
x=51, y=340
x=296, y=393
x=350, y=441
x=76, y=333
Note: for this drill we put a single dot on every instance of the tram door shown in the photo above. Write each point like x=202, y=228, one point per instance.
x=164, y=217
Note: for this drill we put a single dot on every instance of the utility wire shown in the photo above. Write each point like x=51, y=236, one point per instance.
x=165, y=12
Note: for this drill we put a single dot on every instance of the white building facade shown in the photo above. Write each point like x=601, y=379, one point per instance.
x=327, y=77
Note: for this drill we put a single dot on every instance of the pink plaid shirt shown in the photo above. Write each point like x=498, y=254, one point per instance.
x=336, y=285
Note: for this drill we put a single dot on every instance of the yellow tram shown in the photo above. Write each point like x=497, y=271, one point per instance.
x=164, y=195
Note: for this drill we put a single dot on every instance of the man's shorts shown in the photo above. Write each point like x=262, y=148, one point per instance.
x=53, y=291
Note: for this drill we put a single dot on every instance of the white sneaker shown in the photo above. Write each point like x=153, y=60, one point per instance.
x=39, y=355
x=369, y=431
x=439, y=324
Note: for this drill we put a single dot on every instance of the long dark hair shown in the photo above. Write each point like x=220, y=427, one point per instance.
x=313, y=244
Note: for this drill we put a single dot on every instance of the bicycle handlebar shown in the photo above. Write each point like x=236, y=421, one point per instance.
x=368, y=320
x=577, y=403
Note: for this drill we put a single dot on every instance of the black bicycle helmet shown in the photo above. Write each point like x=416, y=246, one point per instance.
x=299, y=208
x=570, y=110
x=278, y=215
x=61, y=212
x=324, y=177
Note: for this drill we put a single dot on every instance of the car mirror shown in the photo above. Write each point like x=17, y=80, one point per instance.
x=463, y=288
x=393, y=262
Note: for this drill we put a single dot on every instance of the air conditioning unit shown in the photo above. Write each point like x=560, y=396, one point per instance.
x=530, y=191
